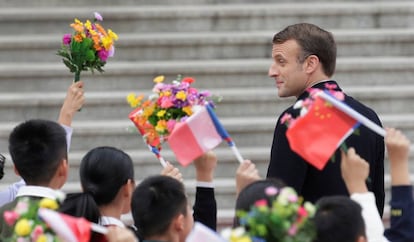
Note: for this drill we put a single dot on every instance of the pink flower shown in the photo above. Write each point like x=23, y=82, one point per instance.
x=286, y=118
x=98, y=16
x=292, y=230
x=166, y=102
x=302, y=212
x=67, y=38
x=103, y=55
x=292, y=198
x=271, y=191
x=261, y=203
x=330, y=86
x=10, y=217
x=170, y=125
x=339, y=95
x=37, y=231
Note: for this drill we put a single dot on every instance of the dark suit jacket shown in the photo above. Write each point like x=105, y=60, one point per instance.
x=205, y=207
x=313, y=184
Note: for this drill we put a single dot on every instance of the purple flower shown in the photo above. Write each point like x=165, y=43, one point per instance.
x=111, y=51
x=103, y=55
x=67, y=38
x=98, y=16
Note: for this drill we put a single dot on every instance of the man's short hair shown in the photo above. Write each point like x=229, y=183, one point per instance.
x=314, y=41
x=156, y=201
x=37, y=147
x=338, y=219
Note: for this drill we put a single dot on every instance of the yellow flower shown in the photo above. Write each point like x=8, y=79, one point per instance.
x=88, y=25
x=133, y=100
x=42, y=238
x=181, y=95
x=161, y=113
x=159, y=79
x=107, y=42
x=161, y=126
x=148, y=111
x=188, y=110
x=244, y=238
x=112, y=34
x=48, y=203
x=22, y=227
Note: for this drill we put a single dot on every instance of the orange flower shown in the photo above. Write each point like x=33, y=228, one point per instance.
x=78, y=38
x=101, y=29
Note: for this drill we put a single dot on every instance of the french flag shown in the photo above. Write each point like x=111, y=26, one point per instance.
x=198, y=134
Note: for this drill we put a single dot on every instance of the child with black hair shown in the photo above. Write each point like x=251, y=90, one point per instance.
x=74, y=100
x=107, y=180
x=39, y=153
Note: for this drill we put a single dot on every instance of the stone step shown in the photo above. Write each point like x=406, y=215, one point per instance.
x=222, y=17
x=208, y=45
x=61, y=3
x=357, y=71
x=89, y=134
x=236, y=102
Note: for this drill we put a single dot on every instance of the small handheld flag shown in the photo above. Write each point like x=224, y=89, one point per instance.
x=198, y=134
x=69, y=228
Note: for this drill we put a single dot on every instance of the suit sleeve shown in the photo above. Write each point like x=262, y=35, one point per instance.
x=284, y=163
x=402, y=215
x=205, y=207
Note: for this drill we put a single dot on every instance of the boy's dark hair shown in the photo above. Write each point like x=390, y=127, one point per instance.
x=37, y=147
x=103, y=171
x=313, y=41
x=339, y=219
x=156, y=201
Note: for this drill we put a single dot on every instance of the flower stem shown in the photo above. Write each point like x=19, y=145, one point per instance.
x=77, y=76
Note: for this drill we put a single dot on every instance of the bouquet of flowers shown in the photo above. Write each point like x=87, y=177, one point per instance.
x=27, y=225
x=285, y=219
x=88, y=48
x=156, y=116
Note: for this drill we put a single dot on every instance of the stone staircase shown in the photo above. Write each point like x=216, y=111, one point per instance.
x=225, y=46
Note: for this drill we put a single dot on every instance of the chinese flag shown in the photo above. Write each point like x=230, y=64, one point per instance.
x=317, y=135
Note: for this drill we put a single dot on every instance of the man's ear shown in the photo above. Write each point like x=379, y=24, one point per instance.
x=362, y=239
x=63, y=169
x=178, y=222
x=16, y=171
x=311, y=64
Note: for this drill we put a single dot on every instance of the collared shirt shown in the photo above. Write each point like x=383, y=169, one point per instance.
x=37, y=191
x=106, y=221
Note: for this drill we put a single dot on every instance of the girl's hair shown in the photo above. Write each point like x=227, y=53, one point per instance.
x=103, y=171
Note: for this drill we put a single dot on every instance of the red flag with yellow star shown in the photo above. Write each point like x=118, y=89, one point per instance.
x=317, y=135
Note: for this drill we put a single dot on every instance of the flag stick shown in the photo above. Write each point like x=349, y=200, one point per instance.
x=237, y=153
x=98, y=228
x=354, y=114
x=158, y=155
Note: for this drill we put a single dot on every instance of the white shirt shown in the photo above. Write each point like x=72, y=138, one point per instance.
x=105, y=221
x=374, y=228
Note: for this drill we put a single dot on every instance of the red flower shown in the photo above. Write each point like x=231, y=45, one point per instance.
x=189, y=80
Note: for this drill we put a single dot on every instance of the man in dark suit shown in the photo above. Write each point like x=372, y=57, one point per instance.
x=304, y=56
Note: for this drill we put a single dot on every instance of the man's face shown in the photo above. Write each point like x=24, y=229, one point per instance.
x=289, y=74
